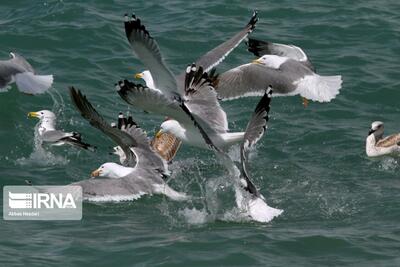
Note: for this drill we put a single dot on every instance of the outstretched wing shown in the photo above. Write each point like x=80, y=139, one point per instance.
x=254, y=131
x=148, y=99
x=123, y=139
x=202, y=100
x=260, y=48
x=153, y=101
x=249, y=80
x=146, y=48
x=21, y=61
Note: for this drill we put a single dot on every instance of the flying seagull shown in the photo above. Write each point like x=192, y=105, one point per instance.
x=286, y=68
x=144, y=169
x=376, y=145
x=48, y=133
x=202, y=103
x=18, y=70
x=260, y=48
x=211, y=58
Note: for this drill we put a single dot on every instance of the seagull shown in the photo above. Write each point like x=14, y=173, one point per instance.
x=202, y=103
x=376, y=145
x=166, y=145
x=48, y=133
x=144, y=171
x=286, y=68
x=18, y=70
x=260, y=48
x=286, y=75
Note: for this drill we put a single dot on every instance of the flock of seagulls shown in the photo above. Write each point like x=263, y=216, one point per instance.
x=191, y=103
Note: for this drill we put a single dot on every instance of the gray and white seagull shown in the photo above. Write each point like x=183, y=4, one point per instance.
x=197, y=111
x=18, y=70
x=144, y=171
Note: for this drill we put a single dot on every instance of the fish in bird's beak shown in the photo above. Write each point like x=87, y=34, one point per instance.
x=256, y=61
x=138, y=76
x=33, y=115
x=95, y=173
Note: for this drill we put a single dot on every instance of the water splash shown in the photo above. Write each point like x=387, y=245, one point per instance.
x=40, y=156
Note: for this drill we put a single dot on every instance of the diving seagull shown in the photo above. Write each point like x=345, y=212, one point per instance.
x=166, y=145
x=18, y=70
x=48, y=133
x=376, y=145
x=144, y=171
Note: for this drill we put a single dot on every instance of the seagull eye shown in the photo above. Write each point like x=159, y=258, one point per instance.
x=41, y=113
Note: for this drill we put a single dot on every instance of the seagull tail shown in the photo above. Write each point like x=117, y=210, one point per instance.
x=78, y=143
x=30, y=83
x=319, y=88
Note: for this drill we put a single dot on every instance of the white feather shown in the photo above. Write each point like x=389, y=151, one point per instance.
x=30, y=83
x=319, y=88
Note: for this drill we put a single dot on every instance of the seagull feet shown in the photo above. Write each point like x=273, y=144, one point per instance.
x=305, y=102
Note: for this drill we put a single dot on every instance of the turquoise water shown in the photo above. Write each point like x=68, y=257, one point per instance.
x=340, y=208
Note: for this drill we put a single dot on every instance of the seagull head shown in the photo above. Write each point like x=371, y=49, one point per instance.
x=172, y=127
x=272, y=61
x=109, y=170
x=376, y=128
x=42, y=114
x=147, y=78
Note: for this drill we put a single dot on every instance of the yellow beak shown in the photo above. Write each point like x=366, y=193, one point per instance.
x=257, y=61
x=95, y=173
x=33, y=115
x=138, y=76
x=159, y=133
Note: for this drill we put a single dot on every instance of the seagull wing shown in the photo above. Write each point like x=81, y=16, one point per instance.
x=254, y=131
x=251, y=80
x=389, y=141
x=260, y=48
x=21, y=61
x=202, y=101
x=146, y=48
x=123, y=139
x=218, y=54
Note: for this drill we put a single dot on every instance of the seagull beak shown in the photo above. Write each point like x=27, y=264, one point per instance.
x=159, y=133
x=33, y=115
x=95, y=173
x=370, y=132
x=257, y=61
x=138, y=76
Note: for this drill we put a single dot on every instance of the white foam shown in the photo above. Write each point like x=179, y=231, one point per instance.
x=114, y=198
x=194, y=216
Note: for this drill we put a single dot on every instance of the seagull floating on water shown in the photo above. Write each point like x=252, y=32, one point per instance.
x=376, y=145
x=48, y=133
x=18, y=70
